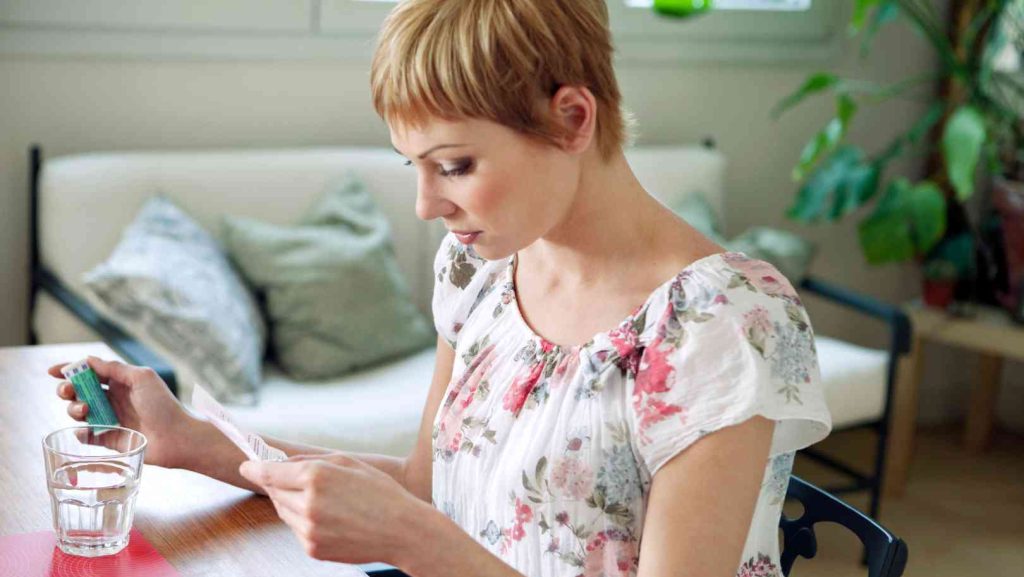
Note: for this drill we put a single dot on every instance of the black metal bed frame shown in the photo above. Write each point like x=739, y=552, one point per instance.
x=42, y=278
x=136, y=353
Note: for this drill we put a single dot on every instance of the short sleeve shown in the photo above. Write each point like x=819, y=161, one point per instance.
x=728, y=343
x=456, y=286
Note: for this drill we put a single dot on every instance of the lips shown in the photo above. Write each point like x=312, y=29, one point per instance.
x=467, y=237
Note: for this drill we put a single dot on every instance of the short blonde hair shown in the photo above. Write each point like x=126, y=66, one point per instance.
x=498, y=60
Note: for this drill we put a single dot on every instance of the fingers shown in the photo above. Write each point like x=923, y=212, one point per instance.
x=275, y=475
x=289, y=475
x=66, y=391
x=336, y=458
x=54, y=371
x=78, y=410
x=112, y=370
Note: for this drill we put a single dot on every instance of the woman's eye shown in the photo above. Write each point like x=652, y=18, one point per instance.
x=458, y=170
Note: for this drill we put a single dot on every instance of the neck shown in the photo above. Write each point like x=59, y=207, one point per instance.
x=610, y=220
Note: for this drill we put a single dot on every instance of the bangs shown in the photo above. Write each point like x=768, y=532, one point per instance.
x=497, y=60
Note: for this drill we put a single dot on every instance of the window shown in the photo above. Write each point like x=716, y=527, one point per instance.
x=737, y=30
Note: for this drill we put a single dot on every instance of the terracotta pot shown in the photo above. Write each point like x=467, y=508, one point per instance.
x=938, y=293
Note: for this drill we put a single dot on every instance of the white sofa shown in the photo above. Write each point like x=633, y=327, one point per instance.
x=84, y=202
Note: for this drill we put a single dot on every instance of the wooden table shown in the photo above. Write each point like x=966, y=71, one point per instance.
x=203, y=527
x=993, y=336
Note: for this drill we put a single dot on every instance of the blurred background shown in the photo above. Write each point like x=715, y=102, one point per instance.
x=876, y=133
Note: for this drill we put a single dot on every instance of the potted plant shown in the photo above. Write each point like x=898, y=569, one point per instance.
x=974, y=125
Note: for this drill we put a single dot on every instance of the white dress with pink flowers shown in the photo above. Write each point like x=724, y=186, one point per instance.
x=545, y=454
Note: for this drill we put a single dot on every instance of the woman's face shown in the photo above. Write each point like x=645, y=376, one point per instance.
x=480, y=176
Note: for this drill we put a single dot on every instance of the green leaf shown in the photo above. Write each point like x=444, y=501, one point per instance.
x=909, y=220
x=857, y=187
x=815, y=83
x=885, y=238
x=843, y=183
x=860, y=13
x=925, y=208
x=883, y=14
x=826, y=140
x=926, y=122
x=961, y=147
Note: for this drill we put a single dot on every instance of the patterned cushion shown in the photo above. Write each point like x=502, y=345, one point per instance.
x=168, y=284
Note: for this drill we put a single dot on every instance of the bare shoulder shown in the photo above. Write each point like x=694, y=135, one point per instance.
x=681, y=245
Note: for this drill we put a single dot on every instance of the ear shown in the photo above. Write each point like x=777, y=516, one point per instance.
x=575, y=109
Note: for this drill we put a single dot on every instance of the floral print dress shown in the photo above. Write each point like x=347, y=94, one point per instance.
x=545, y=454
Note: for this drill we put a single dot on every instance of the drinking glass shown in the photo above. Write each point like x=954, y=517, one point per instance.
x=93, y=474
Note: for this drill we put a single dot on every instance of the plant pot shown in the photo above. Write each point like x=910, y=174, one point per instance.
x=1008, y=199
x=938, y=293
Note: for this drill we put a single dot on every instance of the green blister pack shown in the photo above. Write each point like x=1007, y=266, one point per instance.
x=87, y=387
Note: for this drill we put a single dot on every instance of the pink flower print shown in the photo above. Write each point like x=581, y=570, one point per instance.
x=757, y=326
x=456, y=442
x=461, y=396
x=524, y=514
x=567, y=365
x=575, y=444
x=761, y=274
x=574, y=477
x=651, y=411
x=654, y=371
x=609, y=557
x=517, y=532
x=624, y=339
x=456, y=328
x=761, y=566
x=757, y=317
x=516, y=394
x=562, y=518
x=553, y=545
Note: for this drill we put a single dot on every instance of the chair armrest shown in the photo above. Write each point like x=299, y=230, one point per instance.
x=898, y=321
x=125, y=345
x=381, y=570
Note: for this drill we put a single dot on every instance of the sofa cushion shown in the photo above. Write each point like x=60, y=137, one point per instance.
x=335, y=297
x=377, y=410
x=854, y=378
x=169, y=285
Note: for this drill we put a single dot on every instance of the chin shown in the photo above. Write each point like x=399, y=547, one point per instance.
x=487, y=252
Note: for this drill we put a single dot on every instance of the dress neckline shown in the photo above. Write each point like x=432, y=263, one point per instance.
x=510, y=269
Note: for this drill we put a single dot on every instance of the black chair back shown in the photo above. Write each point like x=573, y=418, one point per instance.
x=886, y=554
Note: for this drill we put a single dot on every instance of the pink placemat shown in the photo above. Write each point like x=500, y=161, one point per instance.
x=37, y=555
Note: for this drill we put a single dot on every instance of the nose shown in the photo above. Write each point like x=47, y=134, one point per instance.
x=430, y=204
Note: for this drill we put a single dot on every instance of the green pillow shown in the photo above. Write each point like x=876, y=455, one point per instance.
x=334, y=297
x=788, y=252
x=695, y=209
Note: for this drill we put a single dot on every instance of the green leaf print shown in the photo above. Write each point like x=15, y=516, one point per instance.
x=539, y=473
x=640, y=321
x=462, y=271
x=526, y=483
x=794, y=314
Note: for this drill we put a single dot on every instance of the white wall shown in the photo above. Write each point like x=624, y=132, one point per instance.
x=71, y=105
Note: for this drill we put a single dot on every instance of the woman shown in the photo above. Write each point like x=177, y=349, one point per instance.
x=613, y=394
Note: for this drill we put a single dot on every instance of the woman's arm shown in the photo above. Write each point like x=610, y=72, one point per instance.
x=220, y=458
x=698, y=515
x=702, y=502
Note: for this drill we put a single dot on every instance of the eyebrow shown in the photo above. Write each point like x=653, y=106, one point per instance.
x=439, y=146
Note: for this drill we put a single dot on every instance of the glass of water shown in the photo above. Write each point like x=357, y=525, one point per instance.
x=93, y=474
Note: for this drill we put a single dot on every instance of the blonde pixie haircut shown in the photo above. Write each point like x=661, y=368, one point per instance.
x=497, y=60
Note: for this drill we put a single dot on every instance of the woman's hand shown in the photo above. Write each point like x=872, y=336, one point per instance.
x=142, y=401
x=340, y=508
